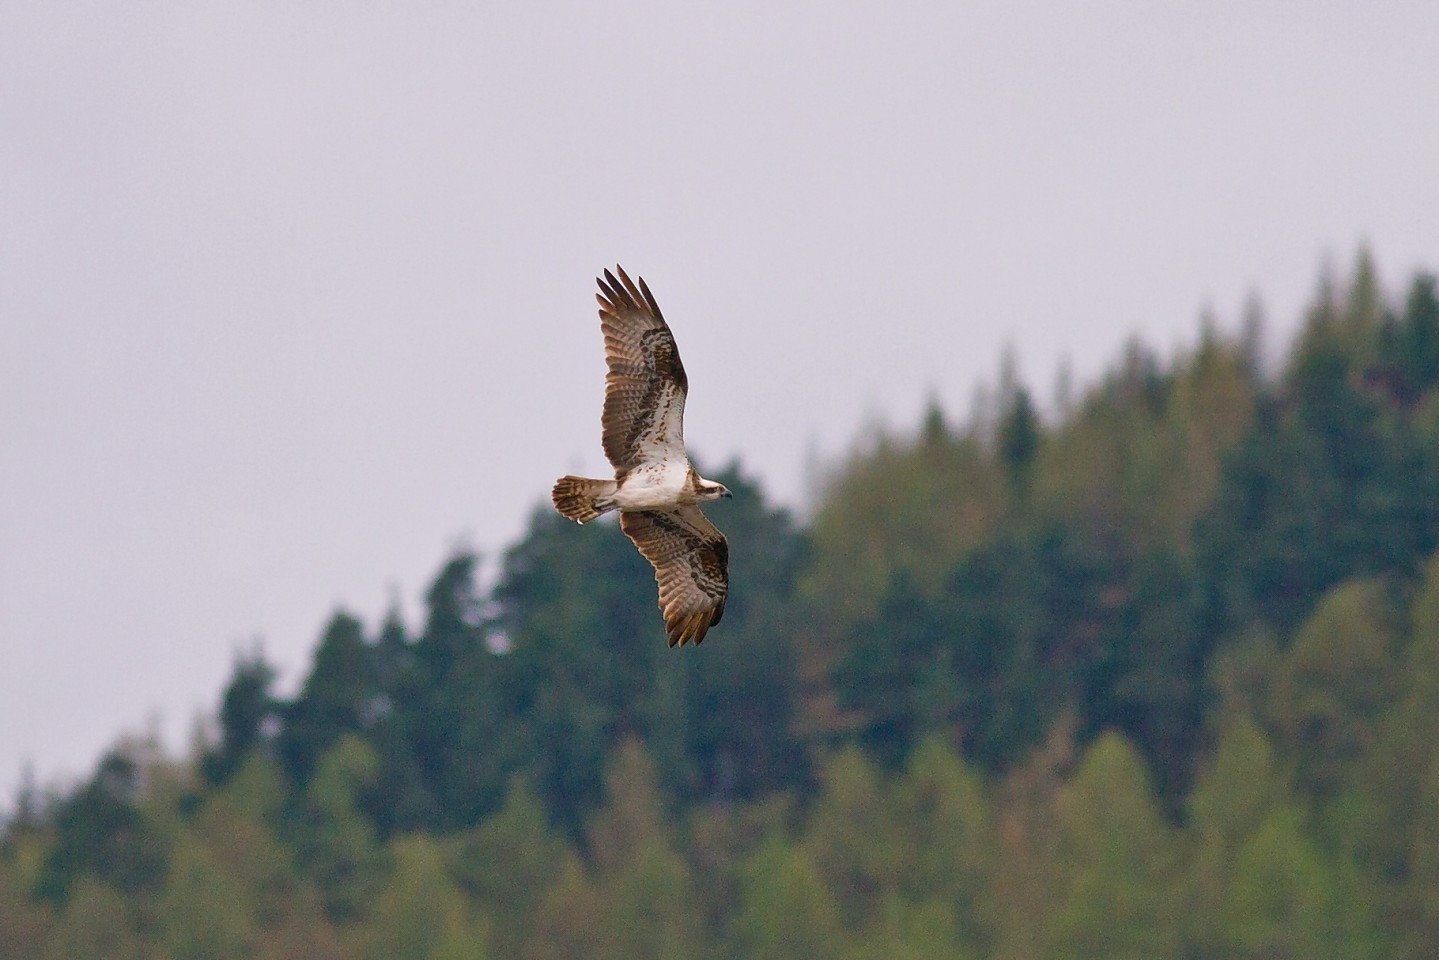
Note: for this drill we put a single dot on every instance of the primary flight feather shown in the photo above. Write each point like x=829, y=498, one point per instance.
x=655, y=489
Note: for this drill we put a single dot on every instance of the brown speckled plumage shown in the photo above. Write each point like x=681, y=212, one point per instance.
x=643, y=432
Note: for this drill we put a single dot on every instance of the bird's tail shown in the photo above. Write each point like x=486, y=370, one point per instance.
x=582, y=499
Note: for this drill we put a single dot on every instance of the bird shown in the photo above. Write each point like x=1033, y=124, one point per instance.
x=656, y=490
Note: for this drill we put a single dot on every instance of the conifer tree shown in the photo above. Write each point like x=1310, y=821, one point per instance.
x=338, y=697
x=245, y=708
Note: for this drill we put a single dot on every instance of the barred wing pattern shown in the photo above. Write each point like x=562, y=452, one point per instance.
x=646, y=384
x=691, y=561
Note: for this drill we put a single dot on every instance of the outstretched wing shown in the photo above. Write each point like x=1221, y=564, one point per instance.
x=645, y=386
x=691, y=561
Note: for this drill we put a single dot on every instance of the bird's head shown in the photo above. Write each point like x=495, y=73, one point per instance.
x=715, y=491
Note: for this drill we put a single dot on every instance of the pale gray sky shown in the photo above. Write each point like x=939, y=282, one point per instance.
x=293, y=296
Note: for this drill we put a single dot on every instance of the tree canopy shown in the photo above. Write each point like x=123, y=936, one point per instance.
x=1155, y=673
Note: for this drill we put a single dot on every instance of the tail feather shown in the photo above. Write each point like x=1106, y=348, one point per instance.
x=582, y=499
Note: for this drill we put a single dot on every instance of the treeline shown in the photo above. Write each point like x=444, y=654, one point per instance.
x=1157, y=676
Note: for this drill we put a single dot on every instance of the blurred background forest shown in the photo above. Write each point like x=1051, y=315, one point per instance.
x=1155, y=674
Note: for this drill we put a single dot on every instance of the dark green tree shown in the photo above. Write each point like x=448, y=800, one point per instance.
x=1408, y=352
x=101, y=832
x=246, y=706
x=576, y=611
x=1146, y=678
x=991, y=660
x=450, y=738
x=1336, y=480
x=587, y=664
x=743, y=688
x=1018, y=439
x=336, y=844
x=340, y=696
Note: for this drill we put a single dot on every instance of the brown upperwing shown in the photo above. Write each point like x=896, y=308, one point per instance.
x=691, y=561
x=646, y=385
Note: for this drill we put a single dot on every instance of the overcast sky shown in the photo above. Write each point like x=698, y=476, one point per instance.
x=295, y=297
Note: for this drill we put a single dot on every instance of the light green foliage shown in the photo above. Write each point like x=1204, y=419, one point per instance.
x=1145, y=451
x=1287, y=898
x=421, y=914
x=1154, y=676
x=233, y=833
x=207, y=911
x=947, y=839
x=256, y=791
x=507, y=863
x=1237, y=792
x=722, y=840
x=906, y=862
x=1028, y=874
x=97, y=924
x=1332, y=685
x=632, y=814
x=340, y=848
x=788, y=912
x=854, y=839
x=1260, y=885
x=638, y=900
x=1118, y=895
x=1235, y=795
x=644, y=882
x=238, y=845
x=566, y=922
x=908, y=930
x=1387, y=815
x=1416, y=725
x=651, y=910
x=1414, y=908
x=24, y=923
x=911, y=507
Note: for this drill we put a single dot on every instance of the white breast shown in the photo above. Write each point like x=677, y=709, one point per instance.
x=654, y=486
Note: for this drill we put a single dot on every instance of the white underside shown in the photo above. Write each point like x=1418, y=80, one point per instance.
x=654, y=486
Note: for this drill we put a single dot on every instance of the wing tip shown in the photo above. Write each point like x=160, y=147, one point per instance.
x=692, y=627
x=625, y=293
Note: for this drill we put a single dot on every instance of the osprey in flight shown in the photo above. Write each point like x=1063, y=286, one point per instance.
x=655, y=489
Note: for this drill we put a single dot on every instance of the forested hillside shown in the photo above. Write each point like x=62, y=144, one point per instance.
x=1154, y=676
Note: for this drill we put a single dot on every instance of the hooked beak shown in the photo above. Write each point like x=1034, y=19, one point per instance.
x=727, y=495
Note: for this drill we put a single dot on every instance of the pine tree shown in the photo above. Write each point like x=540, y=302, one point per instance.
x=338, y=697
x=1018, y=440
x=246, y=707
x=103, y=833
